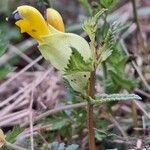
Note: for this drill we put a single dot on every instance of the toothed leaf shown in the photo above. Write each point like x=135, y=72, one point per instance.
x=77, y=63
x=109, y=4
x=90, y=25
x=105, y=54
x=115, y=97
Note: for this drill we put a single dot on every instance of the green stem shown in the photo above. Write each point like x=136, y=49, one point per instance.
x=90, y=120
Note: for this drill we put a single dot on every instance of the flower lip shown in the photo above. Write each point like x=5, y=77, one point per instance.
x=15, y=16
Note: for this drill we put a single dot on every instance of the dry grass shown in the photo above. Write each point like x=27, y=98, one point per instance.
x=28, y=96
x=43, y=88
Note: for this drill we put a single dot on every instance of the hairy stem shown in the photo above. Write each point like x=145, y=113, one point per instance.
x=91, y=93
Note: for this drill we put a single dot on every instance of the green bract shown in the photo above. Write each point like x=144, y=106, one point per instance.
x=71, y=55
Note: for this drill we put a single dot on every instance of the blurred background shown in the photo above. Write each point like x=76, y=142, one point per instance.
x=30, y=85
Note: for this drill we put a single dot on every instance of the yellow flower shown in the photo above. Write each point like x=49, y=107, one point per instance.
x=55, y=19
x=55, y=45
x=31, y=21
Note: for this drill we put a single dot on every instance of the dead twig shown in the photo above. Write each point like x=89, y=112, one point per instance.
x=25, y=57
x=20, y=72
x=136, y=19
x=31, y=118
x=142, y=109
x=15, y=147
x=56, y=110
x=114, y=121
x=135, y=66
x=15, y=103
x=6, y=120
x=139, y=91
